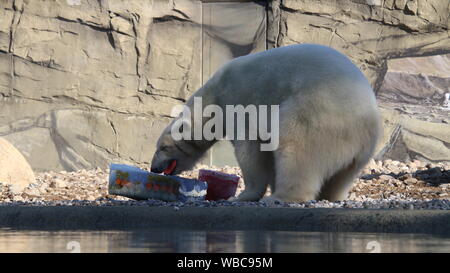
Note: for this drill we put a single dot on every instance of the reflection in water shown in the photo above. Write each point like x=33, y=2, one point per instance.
x=160, y=240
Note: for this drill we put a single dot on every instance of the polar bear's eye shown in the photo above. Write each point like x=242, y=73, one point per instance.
x=163, y=148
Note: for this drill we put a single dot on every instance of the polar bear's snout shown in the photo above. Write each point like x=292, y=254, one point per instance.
x=166, y=166
x=160, y=162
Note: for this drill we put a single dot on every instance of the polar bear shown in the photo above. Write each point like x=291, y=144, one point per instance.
x=329, y=123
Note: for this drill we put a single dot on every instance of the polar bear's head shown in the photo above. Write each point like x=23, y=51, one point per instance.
x=175, y=156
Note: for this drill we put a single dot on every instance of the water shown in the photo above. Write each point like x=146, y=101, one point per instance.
x=170, y=240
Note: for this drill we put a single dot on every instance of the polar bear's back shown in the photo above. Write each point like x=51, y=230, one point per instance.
x=273, y=76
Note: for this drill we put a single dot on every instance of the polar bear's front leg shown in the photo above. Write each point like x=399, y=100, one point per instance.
x=257, y=168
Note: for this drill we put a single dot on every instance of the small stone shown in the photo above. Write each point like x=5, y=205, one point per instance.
x=405, y=177
x=385, y=177
x=90, y=198
x=32, y=192
x=18, y=198
x=60, y=183
x=411, y=180
x=15, y=189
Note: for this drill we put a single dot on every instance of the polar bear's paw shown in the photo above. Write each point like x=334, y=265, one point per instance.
x=271, y=200
x=246, y=196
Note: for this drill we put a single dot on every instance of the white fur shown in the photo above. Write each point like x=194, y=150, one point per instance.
x=329, y=121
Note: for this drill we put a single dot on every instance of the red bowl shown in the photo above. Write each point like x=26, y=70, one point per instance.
x=221, y=186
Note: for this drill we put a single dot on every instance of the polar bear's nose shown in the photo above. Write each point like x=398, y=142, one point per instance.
x=155, y=170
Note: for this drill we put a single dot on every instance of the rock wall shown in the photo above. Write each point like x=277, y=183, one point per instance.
x=421, y=80
x=83, y=83
x=416, y=123
x=368, y=31
x=87, y=82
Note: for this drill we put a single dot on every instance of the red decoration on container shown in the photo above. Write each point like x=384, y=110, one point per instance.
x=221, y=186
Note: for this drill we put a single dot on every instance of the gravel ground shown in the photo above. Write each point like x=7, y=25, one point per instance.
x=383, y=184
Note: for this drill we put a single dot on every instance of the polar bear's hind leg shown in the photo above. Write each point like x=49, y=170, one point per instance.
x=298, y=178
x=337, y=186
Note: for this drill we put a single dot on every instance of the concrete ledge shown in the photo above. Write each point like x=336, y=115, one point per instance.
x=242, y=218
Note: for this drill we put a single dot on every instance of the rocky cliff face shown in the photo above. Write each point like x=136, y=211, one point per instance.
x=88, y=82
x=84, y=82
x=421, y=80
x=368, y=31
x=412, y=101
